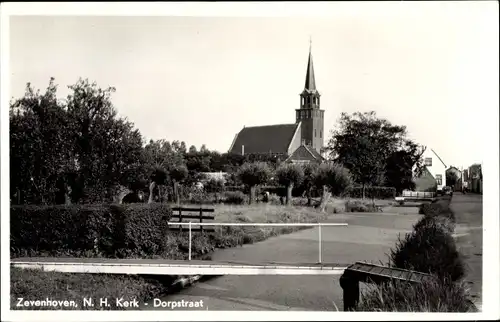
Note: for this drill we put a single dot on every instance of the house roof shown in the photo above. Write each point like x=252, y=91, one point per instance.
x=305, y=153
x=264, y=139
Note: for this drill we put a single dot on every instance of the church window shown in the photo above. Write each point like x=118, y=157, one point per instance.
x=314, y=132
x=428, y=162
x=320, y=133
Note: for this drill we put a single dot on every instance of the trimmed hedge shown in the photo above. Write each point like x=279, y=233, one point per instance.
x=89, y=230
x=372, y=192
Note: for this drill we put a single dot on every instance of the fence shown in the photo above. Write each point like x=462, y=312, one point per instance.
x=319, y=225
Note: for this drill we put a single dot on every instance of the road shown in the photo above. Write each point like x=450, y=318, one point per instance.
x=368, y=237
x=468, y=210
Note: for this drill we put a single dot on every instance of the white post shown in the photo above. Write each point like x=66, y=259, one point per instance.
x=319, y=242
x=189, y=240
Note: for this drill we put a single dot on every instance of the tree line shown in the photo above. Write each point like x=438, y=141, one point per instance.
x=79, y=150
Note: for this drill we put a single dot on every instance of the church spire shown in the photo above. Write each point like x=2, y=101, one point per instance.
x=310, y=85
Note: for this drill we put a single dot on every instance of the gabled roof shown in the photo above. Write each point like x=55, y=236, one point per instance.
x=264, y=139
x=305, y=153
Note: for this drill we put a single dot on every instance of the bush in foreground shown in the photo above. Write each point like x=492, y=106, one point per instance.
x=431, y=296
x=429, y=249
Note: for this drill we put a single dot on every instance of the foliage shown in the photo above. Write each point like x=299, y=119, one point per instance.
x=430, y=249
x=402, y=165
x=451, y=178
x=372, y=192
x=337, y=178
x=256, y=173
x=89, y=230
x=234, y=197
x=374, y=150
x=79, y=146
x=289, y=174
x=38, y=284
x=359, y=206
x=429, y=296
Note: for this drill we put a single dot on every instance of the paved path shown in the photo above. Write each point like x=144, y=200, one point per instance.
x=368, y=237
x=468, y=210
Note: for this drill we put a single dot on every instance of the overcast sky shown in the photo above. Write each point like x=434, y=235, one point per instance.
x=430, y=66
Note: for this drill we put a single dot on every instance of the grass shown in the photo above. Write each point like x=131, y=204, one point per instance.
x=431, y=296
x=39, y=285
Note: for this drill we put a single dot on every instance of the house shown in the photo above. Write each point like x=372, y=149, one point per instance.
x=458, y=175
x=299, y=142
x=475, y=178
x=433, y=177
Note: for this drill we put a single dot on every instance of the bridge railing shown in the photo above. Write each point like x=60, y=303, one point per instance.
x=319, y=225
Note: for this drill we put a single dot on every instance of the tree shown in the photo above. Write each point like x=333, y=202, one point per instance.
x=403, y=165
x=178, y=174
x=289, y=175
x=106, y=146
x=451, y=177
x=40, y=153
x=309, y=182
x=363, y=143
x=253, y=174
x=335, y=177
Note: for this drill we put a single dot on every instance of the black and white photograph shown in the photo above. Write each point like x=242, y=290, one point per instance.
x=250, y=161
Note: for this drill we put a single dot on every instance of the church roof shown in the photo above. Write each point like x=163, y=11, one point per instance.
x=305, y=153
x=264, y=139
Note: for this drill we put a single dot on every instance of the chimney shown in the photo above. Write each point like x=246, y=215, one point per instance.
x=242, y=150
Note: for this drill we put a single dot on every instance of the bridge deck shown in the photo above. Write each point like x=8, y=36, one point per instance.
x=173, y=267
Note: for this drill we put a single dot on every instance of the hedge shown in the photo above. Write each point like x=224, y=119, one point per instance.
x=89, y=230
x=372, y=192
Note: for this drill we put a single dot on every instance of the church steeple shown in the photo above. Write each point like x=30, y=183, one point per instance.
x=309, y=114
x=310, y=85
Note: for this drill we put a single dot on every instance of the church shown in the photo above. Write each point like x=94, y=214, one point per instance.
x=299, y=142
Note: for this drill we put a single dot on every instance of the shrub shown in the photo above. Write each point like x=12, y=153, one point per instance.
x=373, y=192
x=443, y=222
x=359, y=206
x=234, y=197
x=89, y=230
x=253, y=174
x=335, y=177
x=289, y=175
x=430, y=296
x=429, y=249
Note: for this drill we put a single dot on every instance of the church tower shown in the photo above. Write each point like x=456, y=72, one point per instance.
x=309, y=113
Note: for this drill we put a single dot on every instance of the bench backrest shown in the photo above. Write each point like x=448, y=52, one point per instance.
x=371, y=273
x=195, y=215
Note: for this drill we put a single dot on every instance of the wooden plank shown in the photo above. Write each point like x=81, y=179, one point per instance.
x=194, y=217
x=193, y=209
x=192, y=229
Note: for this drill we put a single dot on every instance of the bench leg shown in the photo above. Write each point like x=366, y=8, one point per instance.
x=350, y=287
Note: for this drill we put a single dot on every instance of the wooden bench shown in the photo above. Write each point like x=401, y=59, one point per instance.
x=370, y=273
x=198, y=214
